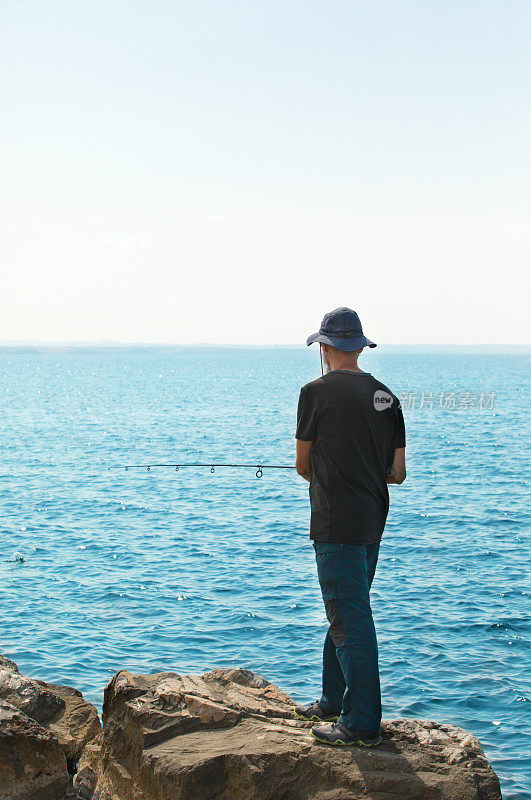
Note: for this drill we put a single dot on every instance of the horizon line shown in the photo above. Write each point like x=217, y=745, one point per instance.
x=80, y=343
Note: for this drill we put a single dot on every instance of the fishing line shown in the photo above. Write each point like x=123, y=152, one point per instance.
x=258, y=467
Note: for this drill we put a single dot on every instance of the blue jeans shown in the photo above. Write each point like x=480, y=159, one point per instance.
x=351, y=681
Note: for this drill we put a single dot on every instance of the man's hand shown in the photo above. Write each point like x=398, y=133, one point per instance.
x=303, y=460
x=399, y=466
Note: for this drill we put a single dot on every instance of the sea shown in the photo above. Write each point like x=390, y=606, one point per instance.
x=106, y=569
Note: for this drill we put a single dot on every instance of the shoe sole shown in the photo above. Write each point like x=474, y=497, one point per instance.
x=341, y=743
x=316, y=719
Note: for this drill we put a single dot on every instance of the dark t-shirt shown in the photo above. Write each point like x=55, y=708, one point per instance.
x=355, y=423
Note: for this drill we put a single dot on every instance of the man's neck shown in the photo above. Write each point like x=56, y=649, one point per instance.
x=348, y=366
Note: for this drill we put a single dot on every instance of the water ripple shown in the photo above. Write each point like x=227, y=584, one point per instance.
x=191, y=570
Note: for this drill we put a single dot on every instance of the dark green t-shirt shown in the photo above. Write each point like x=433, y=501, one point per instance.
x=355, y=423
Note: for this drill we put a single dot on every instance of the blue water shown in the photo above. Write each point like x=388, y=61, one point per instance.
x=159, y=570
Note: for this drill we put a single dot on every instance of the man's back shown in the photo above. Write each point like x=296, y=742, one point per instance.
x=355, y=424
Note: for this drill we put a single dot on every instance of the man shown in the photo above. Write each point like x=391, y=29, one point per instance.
x=350, y=445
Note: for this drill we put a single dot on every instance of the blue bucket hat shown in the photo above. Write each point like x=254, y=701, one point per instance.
x=341, y=328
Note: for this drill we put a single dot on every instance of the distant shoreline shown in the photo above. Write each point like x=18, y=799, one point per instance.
x=56, y=347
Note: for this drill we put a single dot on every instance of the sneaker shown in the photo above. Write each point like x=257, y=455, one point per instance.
x=337, y=734
x=313, y=712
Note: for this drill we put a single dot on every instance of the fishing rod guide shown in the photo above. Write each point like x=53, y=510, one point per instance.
x=259, y=467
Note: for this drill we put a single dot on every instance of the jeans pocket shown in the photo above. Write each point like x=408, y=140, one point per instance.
x=329, y=557
x=336, y=629
x=325, y=549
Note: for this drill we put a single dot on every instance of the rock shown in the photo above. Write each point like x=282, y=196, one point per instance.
x=32, y=762
x=231, y=735
x=26, y=694
x=43, y=729
x=74, y=724
x=60, y=710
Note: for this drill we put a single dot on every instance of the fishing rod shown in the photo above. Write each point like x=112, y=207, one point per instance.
x=258, y=467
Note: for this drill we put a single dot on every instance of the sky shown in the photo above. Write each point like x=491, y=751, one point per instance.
x=230, y=171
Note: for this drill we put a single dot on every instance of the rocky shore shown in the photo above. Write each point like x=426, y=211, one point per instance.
x=226, y=735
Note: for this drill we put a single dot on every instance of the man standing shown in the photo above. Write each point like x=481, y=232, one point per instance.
x=350, y=445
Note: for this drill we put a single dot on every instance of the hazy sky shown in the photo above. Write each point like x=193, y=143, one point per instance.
x=230, y=171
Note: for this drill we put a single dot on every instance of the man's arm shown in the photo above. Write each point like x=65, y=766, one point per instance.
x=399, y=466
x=303, y=460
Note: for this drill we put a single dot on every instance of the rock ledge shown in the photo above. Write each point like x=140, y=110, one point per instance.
x=43, y=730
x=230, y=735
